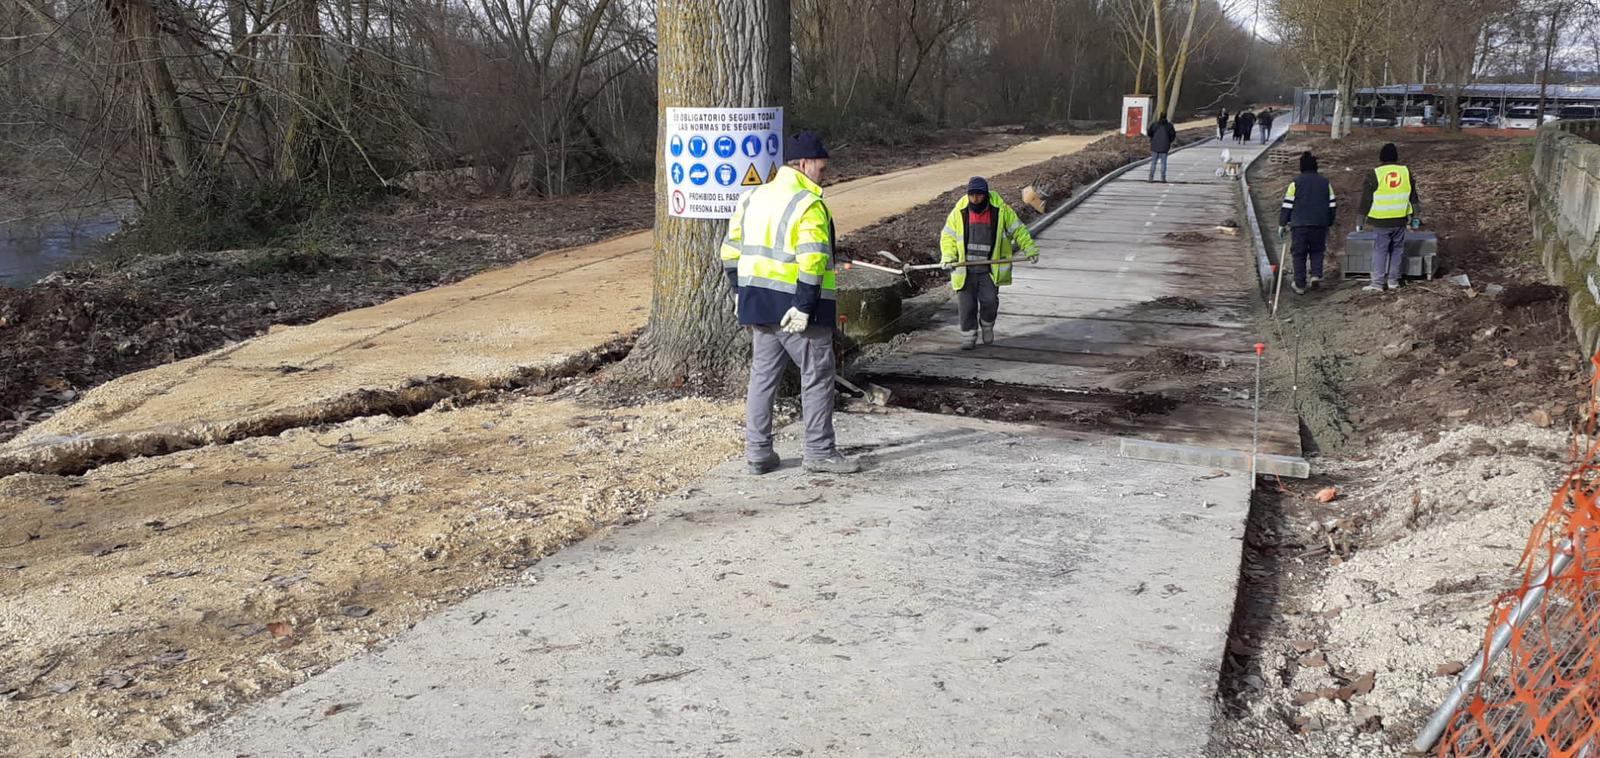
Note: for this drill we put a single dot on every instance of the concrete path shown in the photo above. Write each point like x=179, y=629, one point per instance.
x=1135, y=277
x=544, y=315
x=983, y=590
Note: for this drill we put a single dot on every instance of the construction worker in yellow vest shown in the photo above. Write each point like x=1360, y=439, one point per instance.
x=778, y=256
x=981, y=228
x=1388, y=204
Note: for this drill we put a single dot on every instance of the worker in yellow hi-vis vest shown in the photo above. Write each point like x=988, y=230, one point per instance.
x=1389, y=203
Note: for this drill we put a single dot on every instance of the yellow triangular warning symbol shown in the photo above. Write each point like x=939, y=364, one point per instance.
x=773, y=174
x=752, y=177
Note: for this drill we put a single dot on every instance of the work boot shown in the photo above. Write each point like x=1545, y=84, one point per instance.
x=969, y=340
x=1374, y=287
x=835, y=463
x=1315, y=280
x=765, y=465
x=1298, y=290
x=988, y=333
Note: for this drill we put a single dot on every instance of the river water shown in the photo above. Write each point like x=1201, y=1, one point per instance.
x=32, y=250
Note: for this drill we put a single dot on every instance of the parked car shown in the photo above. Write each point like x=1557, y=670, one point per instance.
x=1576, y=112
x=1479, y=117
x=1524, y=117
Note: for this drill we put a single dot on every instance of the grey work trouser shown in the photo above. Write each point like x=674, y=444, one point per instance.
x=1388, y=255
x=812, y=351
x=979, y=299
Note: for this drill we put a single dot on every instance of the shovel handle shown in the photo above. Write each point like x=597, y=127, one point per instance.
x=874, y=267
x=963, y=264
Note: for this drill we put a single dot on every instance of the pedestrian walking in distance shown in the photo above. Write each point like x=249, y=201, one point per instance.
x=1222, y=124
x=982, y=228
x=778, y=256
x=1266, y=126
x=1247, y=126
x=1162, y=134
x=1309, y=207
x=1389, y=203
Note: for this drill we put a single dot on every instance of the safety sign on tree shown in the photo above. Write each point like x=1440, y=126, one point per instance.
x=714, y=155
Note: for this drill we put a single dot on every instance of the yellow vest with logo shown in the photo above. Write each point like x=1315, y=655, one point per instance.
x=1393, y=196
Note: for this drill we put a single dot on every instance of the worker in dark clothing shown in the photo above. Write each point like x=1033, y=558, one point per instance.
x=1162, y=135
x=1266, y=126
x=1222, y=124
x=1309, y=207
x=1389, y=203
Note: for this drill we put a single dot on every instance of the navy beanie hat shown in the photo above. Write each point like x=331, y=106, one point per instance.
x=978, y=184
x=1308, y=162
x=803, y=145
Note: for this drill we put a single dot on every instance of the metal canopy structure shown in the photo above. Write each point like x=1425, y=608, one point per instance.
x=1393, y=102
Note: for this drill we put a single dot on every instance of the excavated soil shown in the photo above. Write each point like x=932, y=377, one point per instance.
x=1178, y=303
x=1169, y=361
x=1189, y=238
x=1440, y=412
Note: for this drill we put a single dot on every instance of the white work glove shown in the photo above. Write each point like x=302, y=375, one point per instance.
x=1360, y=228
x=1033, y=256
x=795, y=321
x=947, y=265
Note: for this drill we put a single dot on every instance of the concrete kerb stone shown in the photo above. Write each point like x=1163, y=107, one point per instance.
x=1263, y=262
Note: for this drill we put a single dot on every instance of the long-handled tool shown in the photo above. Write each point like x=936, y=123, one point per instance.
x=1283, y=262
x=1255, y=433
x=964, y=264
x=906, y=269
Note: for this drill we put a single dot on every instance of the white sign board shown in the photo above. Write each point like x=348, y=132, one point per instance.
x=714, y=154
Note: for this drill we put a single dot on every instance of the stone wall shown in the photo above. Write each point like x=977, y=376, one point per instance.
x=1564, y=206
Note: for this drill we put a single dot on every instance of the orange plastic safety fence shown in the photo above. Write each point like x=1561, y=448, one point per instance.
x=1541, y=697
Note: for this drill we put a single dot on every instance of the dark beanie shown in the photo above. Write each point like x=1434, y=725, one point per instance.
x=1308, y=162
x=978, y=184
x=803, y=145
x=1389, y=153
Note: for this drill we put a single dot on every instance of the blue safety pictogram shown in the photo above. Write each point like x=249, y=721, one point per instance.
x=751, y=146
x=726, y=175
x=675, y=146
x=677, y=173
x=698, y=174
x=772, y=144
x=697, y=147
x=725, y=146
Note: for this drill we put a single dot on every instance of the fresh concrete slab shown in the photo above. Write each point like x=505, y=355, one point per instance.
x=1081, y=319
x=982, y=590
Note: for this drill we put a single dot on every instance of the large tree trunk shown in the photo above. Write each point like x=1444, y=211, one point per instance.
x=712, y=53
x=1182, y=62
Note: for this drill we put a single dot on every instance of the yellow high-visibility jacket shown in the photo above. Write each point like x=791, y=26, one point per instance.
x=778, y=252
x=1010, y=233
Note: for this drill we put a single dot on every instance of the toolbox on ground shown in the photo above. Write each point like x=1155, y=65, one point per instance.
x=1422, y=249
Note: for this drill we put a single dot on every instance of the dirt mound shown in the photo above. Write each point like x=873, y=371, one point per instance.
x=1145, y=404
x=1169, y=361
x=1178, y=303
x=1188, y=238
x=1523, y=295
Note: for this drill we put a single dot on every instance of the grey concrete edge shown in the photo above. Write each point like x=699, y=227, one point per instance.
x=1194, y=455
x=1081, y=195
x=1263, y=263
